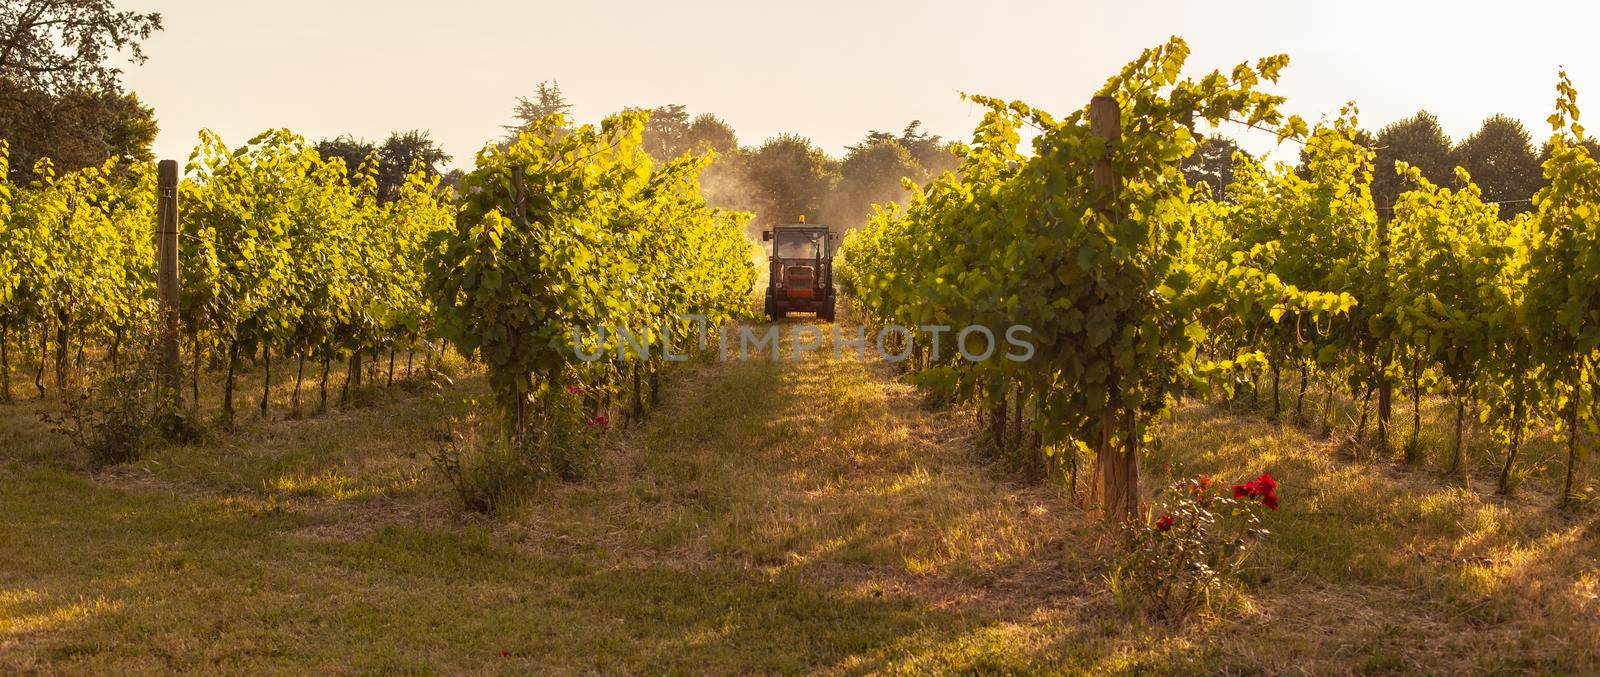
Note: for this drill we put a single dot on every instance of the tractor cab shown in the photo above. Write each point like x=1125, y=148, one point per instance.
x=800, y=270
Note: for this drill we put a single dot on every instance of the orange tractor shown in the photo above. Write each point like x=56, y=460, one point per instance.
x=801, y=267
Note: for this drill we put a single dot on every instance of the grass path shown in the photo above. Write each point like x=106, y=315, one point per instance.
x=767, y=517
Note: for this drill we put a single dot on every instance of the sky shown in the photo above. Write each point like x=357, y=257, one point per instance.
x=827, y=70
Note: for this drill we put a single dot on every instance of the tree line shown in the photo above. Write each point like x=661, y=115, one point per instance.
x=785, y=176
x=1499, y=156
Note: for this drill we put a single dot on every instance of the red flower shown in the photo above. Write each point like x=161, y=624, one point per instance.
x=1268, y=490
x=1205, y=482
x=1164, y=523
x=574, y=390
x=600, y=421
x=505, y=654
x=1266, y=483
x=1263, y=487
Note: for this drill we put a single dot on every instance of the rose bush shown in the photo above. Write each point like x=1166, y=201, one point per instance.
x=1189, y=558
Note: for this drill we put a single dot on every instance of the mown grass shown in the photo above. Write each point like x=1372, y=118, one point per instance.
x=767, y=517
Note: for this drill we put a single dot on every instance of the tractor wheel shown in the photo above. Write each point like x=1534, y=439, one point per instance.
x=828, y=310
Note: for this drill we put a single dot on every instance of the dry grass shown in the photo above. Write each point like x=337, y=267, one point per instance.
x=808, y=517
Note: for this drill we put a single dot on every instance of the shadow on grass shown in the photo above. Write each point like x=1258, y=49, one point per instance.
x=112, y=581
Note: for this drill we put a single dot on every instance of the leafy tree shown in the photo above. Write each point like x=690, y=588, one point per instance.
x=64, y=45
x=666, y=132
x=709, y=132
x=546, y=101
x=399, y=155
x=451, y=181
x=354, y=152
x=1500, y=159
x=1418, y=141
x=60, y=96
x=1212, y=163
x=669, y=133
x=725, y=182
x=790, y=177
x=933, y=155
x=872, y=173
x=76, y=129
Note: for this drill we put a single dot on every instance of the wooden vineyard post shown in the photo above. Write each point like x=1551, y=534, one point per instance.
x=1118, y=468
x=1385, y=350
x=519, y=215
x=167, y=281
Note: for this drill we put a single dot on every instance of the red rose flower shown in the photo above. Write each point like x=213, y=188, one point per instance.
x=1267, y=484
x=1263, y=487
x=1164, y=523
